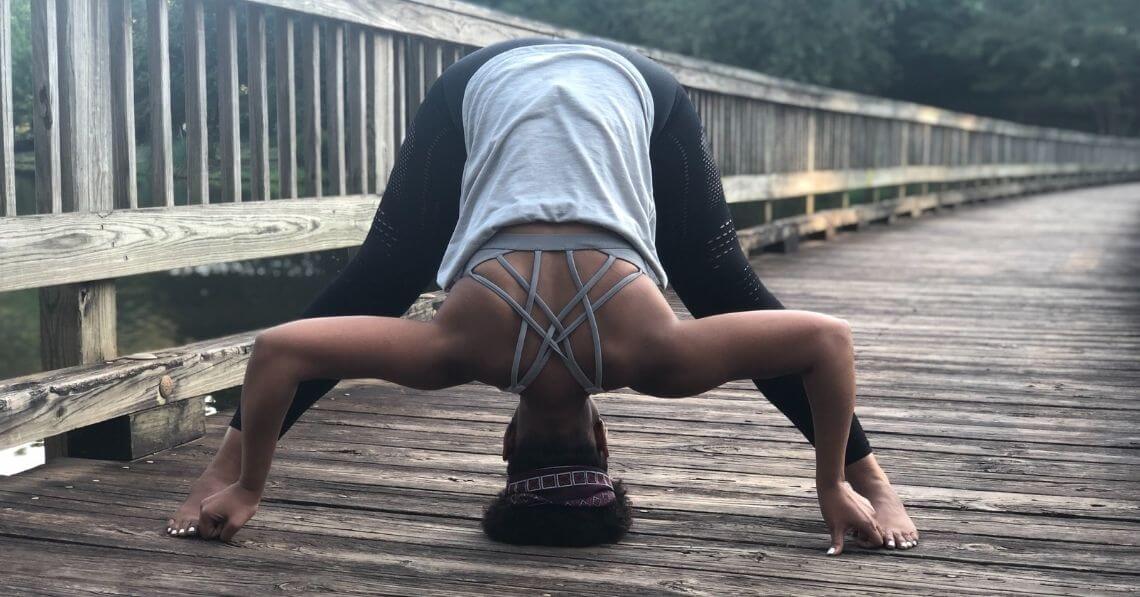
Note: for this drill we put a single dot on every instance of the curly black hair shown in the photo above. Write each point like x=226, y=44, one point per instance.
x=553, y=525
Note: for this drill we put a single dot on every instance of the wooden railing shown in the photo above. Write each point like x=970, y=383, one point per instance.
x=349, y=76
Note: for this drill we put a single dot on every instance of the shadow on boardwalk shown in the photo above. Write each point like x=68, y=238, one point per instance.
x=998, y=355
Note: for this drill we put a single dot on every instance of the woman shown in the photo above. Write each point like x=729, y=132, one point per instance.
x=556, y=186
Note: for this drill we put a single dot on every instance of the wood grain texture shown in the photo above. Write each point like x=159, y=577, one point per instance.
x=381, y=86
x=256, y=73
x=39, y=250
x=70, y=397
x=45, y=114
x=1012, y=442
x=7, y=139
x=197, y=130
x=86, y=246
x=311, y=106
x=286, y=83
x=158, y=53
x=479, y=26
x=357, y=128
x=123, y=106
x=334, y=107
x=228, y=106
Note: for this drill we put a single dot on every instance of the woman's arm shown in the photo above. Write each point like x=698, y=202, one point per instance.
x=698, y=355
x=698, y=246
x=411, y=353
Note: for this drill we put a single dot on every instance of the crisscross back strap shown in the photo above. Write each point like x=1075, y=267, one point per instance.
x=556, y=336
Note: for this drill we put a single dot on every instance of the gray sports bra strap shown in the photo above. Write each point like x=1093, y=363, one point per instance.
x=556, y=336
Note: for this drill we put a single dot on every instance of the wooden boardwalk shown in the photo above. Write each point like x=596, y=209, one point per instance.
x=998, y=358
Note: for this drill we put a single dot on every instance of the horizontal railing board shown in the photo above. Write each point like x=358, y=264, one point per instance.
x=469, y=24
x=37, y=251
x=757, y=187
x=53, y=402
x=45, y=404
x=54, y=249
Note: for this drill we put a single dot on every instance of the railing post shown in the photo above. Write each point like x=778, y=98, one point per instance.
x=77, y=321
x=809, y=200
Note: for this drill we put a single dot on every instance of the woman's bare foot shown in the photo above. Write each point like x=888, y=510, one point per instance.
x=871, y=482
x=222, y=471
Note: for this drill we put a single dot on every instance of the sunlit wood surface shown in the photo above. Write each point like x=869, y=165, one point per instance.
x=998, y=354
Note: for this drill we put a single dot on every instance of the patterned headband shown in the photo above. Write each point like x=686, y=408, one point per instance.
x=574, y=486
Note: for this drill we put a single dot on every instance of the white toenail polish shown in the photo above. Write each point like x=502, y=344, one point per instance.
x=831, y=551
x=891, y=543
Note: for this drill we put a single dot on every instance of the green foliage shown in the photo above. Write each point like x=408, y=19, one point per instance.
x=1065, y=63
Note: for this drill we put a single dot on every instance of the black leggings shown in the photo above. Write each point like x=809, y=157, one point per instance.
x=696, y=239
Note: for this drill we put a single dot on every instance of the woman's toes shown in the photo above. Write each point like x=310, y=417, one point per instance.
x=889, y=540
x=192, y=530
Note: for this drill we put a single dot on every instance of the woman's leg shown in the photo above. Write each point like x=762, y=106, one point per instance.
x=698, y=246
x=697, y=243
x=397, y=261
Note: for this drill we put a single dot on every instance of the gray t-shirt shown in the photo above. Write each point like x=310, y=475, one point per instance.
x=555, y=133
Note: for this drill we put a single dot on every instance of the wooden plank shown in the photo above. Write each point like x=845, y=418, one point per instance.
x=123, y=106
x=311, y=102
x=286, y=106
x=7, y=155
x=120, y=243
x=416, y=527
x=197, y=133
x=228, y=108
x=381, y=86
x=45, y=116
x=479, y=26
x=399, y=62
x=334, y=107
x=158, y=53
x=755, y=187
x=77, y=321
x=256, y=73
x=100, y=246
x=62, y=399
x=413, y=79
x=357, y=112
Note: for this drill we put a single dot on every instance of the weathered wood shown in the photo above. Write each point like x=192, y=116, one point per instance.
x=334, y=107
x=228, y=114
x=381, y=85
x=256, y=72
x=45, y=117
x=121, y=243
x=1011, y=442
x=400, y=101
x=286, y=83
x=123, y=106
x=63, y=399
x=357, y=112
x=7, y=155
x=197, y=134
x=413, y=78
x=311, y=102
x=141, y=433
x=755, y=187
x=158, y=52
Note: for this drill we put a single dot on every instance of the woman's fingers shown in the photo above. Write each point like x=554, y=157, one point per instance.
x=837, y=533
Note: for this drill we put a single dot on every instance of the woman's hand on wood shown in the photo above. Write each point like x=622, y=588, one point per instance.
x=845, y=510
x=227, y=511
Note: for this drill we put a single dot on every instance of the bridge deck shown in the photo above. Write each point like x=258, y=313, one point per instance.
x=998, y=354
